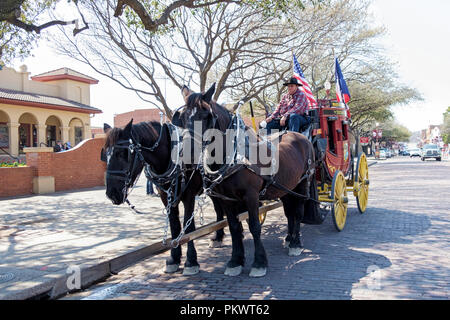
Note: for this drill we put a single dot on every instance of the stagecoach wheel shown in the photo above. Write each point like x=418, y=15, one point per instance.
x=362, y=183
x=340, y=200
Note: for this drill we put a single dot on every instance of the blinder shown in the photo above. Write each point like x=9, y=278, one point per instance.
x=134, y=156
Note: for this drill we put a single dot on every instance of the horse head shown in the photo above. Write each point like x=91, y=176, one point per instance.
x=197, y=115
x=123, y=163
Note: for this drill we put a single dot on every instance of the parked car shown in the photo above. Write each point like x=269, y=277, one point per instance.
x=405, y=153
x=389, y=153
x=414, y=153
x=431, y=151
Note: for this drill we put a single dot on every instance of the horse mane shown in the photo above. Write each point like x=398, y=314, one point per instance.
x=224, y=116
x=143, y=131
x=112, y=137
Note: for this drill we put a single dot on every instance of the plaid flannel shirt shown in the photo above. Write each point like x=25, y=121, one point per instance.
x=291, y=104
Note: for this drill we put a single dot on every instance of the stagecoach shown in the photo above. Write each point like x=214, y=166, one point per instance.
x=313, y=180
x=337, y=174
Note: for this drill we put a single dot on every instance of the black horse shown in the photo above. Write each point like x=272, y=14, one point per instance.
x=292, y=182
x=127, y=151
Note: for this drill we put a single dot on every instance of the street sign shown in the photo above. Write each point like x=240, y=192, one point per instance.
x=364, y=141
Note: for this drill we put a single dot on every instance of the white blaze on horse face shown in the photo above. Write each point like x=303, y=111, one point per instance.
x=109, y=153
x=193, y=112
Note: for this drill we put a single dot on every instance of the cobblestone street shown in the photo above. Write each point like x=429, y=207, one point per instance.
x=398, y=249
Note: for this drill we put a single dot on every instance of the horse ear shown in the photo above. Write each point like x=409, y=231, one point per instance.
x=127, y=129
x=185, y=92
x=208, y=95
x=106, y=127
x=176, y=120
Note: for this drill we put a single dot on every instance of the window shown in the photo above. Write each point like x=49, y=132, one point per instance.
x=331, y=136
x=344, y=130
x=4, y=136
x=78, y=135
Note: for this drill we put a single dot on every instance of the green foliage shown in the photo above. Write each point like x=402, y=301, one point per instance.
x=11, y=165
x=372, y=103
x=14, y=41
x=446, y=127
x=393, y=131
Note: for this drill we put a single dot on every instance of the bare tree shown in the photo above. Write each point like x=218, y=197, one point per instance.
x=12, y=12
x=214, y=43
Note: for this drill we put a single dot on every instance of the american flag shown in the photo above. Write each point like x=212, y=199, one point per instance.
x=298, y=73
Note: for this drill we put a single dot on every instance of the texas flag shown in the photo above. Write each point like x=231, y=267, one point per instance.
x=342, y=93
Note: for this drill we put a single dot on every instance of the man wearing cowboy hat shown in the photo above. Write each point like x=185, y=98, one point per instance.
x=291, y=112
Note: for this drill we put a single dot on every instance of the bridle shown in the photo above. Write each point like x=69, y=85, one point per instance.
x=135, y=157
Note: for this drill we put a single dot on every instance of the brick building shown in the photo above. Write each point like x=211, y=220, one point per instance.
x=140, y=115
x=51, y=106
x=431, y=135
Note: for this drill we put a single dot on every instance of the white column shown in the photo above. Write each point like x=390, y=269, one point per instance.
x=14, y=138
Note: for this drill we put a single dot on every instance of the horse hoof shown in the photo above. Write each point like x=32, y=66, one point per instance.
x=286, y=244
x=258, y=272
x=215, y=244
x=295, y=251
x=171, y=268
x=190, y=271
x=233, y=272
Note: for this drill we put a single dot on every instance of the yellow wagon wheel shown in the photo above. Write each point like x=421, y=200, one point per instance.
x=340, y=200
x=361, y=190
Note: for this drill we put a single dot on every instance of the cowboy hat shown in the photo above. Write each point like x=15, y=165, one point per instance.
x=293, y=81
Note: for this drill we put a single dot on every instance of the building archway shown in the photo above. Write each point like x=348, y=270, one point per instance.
x=4, y=131
x=27, y=131
x=52, y=131
x=76, y=131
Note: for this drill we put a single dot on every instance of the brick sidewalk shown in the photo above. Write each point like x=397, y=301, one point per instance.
x=42, y=235
x=398, y=249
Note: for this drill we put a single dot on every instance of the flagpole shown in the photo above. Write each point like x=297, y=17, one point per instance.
x=292, y=60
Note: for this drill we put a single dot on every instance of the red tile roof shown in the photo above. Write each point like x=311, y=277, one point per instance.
x=43, y=101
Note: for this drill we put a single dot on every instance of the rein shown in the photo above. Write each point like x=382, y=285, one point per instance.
x=229, y=168
x=136, y=148
x=167, y=181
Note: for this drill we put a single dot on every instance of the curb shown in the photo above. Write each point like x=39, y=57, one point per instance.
x=58, y=285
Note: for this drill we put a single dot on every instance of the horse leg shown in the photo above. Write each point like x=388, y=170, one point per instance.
x=296, y=245
x=234, y=266
x=289, y=209
x=259, y=266
x=191, y=265
x=173, y=262
x=216, y=240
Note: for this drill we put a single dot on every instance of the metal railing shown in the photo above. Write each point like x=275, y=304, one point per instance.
x=10, y=155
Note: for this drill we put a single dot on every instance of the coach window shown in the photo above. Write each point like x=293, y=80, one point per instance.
x=331, y=135
x=344, y=130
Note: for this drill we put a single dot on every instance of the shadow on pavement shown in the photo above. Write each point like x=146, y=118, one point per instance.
x=332, y=265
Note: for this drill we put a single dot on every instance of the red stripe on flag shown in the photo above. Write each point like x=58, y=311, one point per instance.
x=306, y=89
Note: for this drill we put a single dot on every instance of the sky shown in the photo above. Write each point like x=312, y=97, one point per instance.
x=418, y=39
